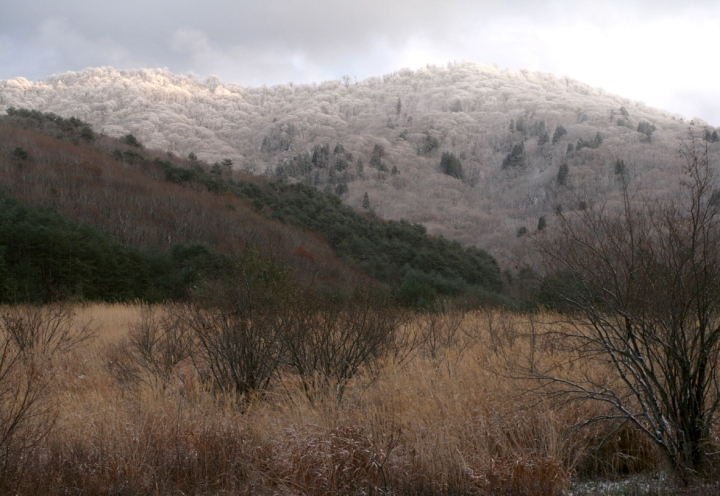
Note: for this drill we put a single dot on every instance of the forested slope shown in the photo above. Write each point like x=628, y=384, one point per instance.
x=518, y=146
x=107, y=205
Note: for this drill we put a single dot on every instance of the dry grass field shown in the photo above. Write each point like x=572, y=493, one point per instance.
x=439, y=417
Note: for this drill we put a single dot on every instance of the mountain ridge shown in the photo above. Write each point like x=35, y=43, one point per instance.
x=477, y=113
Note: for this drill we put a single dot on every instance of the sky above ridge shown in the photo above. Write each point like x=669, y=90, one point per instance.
x=662, y=52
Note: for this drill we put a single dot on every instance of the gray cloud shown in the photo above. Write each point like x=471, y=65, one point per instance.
x=250, y=42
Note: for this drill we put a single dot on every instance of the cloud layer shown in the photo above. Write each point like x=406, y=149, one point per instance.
x=652, y=51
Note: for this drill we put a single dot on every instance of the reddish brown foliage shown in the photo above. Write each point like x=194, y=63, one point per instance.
x=136, y=205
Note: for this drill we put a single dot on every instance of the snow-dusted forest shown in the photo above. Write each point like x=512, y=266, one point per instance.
x=475, y=153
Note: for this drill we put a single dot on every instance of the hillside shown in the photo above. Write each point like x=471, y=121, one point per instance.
x=181, y=218
x=506, y=137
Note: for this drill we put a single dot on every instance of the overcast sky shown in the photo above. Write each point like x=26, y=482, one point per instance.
x=665, y=53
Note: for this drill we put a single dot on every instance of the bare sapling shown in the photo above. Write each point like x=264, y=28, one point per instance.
x=330, y=339
x=441, y=331
x=44, y=330
x=160, y=341
x=640, y=286
x=237, y=324
x=30, y=337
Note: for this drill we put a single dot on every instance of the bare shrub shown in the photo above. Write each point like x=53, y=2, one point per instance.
x=440, y=331
x=415, y=429
x=44, y=330
x=118, y=360
x=237, y=324
x=329, y=339
x=616, y=452
x=524, y=475
x=25, y=416
x=501, y=327
x=642, y=283
x=29, y=337
x=160, y=341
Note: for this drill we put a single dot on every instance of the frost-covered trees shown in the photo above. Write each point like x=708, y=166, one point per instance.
x=293, y=132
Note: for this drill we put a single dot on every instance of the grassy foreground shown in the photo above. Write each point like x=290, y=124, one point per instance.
x=436, y=420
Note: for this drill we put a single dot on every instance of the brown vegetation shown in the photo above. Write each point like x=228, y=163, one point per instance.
x=138, y=207
x=441, y=422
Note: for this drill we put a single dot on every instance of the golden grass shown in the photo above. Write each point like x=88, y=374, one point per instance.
x=443, y=425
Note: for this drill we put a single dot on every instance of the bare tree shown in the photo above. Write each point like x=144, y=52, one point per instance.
x=641, y=284
x=440, y=330
x=44, y=330
x=236, y=322
x=329, y=339
x=160, y=341
x=30, y=336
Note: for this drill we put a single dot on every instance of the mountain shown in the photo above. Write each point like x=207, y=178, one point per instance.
x=471, y=152
x=94, y=217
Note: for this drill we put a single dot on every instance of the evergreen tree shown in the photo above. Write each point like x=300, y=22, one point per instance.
x=321, y=156
x=647, y=129
x=429, y=144
x=130, y=139
x=450, y=165
x=560, y=131
x=366, y=201
x=562, y=175
x=543, y=139
x=542, y=223
x=711, y=137
x=598, y=140
x=377, y=155
x=87, y=134
x=20, y=153
x=620, y=167
x=516, y=157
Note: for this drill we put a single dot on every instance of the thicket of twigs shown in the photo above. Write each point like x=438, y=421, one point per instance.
x=342, y=400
